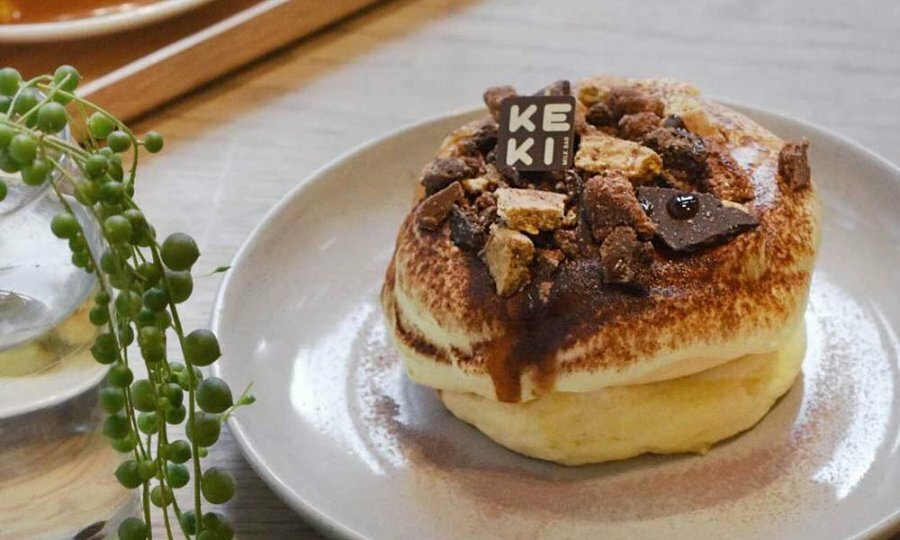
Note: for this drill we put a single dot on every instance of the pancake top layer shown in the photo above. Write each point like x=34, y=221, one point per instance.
x=683, y=236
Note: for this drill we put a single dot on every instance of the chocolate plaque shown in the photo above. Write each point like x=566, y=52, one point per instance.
x=537, y=133
x=688, y=221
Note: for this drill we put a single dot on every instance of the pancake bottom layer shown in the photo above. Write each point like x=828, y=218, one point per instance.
x=687, y=414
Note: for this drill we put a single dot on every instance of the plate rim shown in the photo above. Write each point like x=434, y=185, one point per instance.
x=93, y=375
x=316, y=517
x=95, y=25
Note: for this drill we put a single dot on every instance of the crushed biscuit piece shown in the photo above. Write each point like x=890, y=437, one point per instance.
x=530, y=210
x=475, y=185
x=610, y=202
x=508, y=254
x=793, y=163
x=444, y=171
x=600, y=153
x=594, y=89
x=623, y=258
x=495, y=95
x=434, y=210
x=689, y=109
x=634, y=126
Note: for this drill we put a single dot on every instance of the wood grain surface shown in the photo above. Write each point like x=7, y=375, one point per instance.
x=134, y=71
x=236, y=147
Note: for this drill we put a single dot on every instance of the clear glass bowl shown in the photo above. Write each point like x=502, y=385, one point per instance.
x=42, y=293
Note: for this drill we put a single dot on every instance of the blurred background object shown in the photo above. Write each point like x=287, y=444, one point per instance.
x=136, y=55
x=51, y=20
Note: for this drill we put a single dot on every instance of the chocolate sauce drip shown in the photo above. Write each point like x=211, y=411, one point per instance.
x=538, y=325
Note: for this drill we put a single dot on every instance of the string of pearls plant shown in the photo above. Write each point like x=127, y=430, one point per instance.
x=141, y=284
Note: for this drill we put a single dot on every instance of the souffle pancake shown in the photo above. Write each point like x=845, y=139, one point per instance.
x=648, y=296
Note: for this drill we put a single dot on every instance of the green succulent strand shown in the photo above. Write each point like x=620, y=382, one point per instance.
x=141, y=282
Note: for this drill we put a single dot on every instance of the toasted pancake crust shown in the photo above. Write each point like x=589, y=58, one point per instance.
x=577, y=334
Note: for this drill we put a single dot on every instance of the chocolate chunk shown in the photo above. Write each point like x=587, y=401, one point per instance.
x=714, y=223
x=793, y=163
x=624, y=259
x=466, y=229
x=468, y=148
x=444, y=171
x=546, y=261
x=726, y=179
x=610, y=202
x=625, y=100
x=635, y=126
x=514, y=177
x=558, y=88
x=567, y=241
x=495, y=95
x=491, y=156
x=599, y=115
x=434, y=210
x=683, y=153
x=485, y=138
x=674, y=121
x=484, y=202
x=573, y=184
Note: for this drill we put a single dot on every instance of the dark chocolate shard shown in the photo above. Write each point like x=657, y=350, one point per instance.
x=435, y=209
x=714, y=222
x=793, y=163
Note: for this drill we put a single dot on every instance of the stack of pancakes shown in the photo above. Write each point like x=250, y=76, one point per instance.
x=573, y=369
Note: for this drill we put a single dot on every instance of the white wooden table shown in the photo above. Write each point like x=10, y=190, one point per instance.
x=236, y=147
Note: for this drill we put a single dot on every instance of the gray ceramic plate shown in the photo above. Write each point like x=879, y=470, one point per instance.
x=350, y=443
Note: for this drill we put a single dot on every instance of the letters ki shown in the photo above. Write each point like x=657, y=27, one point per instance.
x=536, y=133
